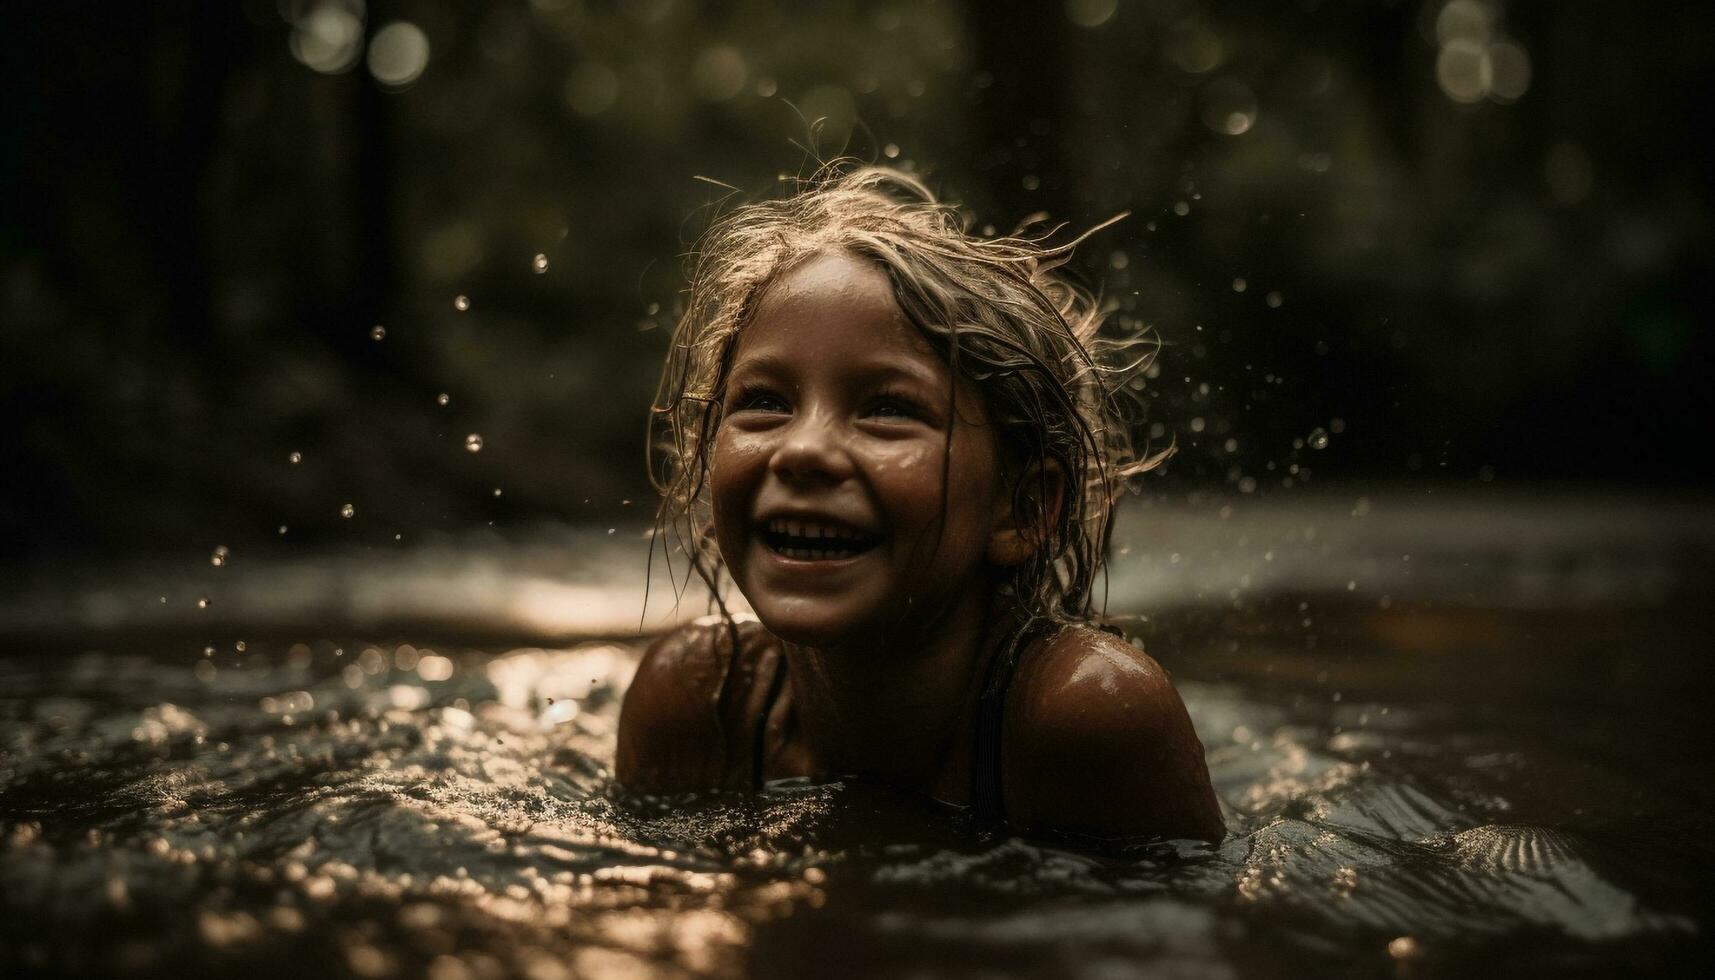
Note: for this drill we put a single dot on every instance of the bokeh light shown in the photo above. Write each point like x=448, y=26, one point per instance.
x=1193, y=47
x=1510, y=66
x=398, y=54
x=719, y=73
x=1476, y=60
x=1091, y=13
x=1463, y=70
x=1229, y=106
x=1464, y=20
x=328, y=37
x=591, y=89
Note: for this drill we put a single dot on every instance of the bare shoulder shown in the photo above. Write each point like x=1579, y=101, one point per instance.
x=669, y=725
x=1096, y=741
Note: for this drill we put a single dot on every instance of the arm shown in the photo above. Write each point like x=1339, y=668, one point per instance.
x=669, y=729
x=1096, y=742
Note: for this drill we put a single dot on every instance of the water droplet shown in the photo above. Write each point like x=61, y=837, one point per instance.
x=1318, y=439
x=218, y=559
x=295, y=458
x=208, y=651
x=473, y=443
x=497, y=491
x=239, y=646
x=1274, y=300
x=282, y=529
x=377, y=332
x=1181, y=208
x=539, y=263
x=443, y=398
x=202, y=602
x=347, y=510
x=461, y=302
x=1239, y=285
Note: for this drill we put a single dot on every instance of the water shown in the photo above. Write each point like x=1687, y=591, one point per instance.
x=1429, y=788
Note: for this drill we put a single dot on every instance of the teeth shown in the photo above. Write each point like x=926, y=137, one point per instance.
x=812, y=530
x=815, y=554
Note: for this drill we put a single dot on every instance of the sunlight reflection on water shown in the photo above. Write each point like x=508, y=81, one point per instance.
x=415, y=816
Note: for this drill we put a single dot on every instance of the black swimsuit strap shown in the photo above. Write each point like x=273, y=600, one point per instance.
x=759, y=750
x=987, y=802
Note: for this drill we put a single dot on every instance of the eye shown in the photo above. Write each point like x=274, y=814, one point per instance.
x=895, y=406
x=759, y=400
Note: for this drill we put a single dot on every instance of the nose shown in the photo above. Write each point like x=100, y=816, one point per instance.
x=812, y=449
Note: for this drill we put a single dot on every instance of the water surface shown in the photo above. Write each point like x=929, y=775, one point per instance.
x=1420, y=786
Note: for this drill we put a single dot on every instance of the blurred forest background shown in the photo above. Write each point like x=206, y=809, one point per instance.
x=1421, y=243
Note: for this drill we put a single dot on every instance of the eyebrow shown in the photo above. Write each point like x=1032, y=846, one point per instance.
x=885, y=370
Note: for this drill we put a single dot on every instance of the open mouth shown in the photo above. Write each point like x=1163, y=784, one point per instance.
x=816, y=540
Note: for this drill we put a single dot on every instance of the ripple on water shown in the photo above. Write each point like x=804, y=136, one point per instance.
x=396, y=817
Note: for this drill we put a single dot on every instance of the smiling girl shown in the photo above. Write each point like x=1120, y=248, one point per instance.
x=903, y=443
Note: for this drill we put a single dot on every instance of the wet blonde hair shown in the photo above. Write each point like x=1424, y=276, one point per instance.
x=997, y=308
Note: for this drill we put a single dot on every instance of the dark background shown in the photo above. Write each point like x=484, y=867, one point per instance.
x=1465, y=276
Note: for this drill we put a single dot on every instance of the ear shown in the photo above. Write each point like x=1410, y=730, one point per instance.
x=1027, y=512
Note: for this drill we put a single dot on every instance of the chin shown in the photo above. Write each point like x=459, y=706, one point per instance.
x=801, y=631
x=813, y=627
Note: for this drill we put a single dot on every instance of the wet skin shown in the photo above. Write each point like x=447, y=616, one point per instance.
x=861, y=507
x=836, y=413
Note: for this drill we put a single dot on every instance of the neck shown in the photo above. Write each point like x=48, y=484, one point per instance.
x=897, y=707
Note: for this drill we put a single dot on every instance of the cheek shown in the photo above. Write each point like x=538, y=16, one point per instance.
x=727, y=466
x=976, y=475
x=912, y=481
x=734, y=452
x=910, y=478
x=736, y=467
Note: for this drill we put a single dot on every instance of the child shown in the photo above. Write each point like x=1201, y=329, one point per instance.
x=903, y=443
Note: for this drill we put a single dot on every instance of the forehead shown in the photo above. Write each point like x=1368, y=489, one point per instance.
x=831, y=273
x=837, y=305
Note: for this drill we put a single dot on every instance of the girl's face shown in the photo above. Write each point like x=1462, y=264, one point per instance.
x=831, y=507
